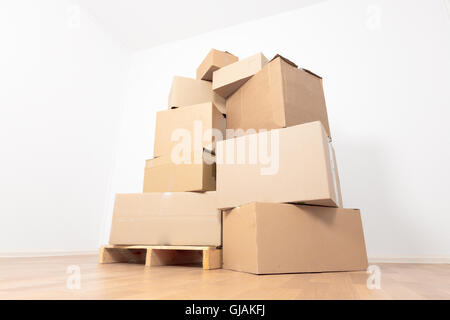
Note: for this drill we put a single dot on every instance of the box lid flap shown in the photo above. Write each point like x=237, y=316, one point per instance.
x=285, y=59
x=231, y=54
x=294, y=65
x=310, y=72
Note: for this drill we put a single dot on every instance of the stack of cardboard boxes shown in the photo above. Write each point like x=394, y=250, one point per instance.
x=243, y=160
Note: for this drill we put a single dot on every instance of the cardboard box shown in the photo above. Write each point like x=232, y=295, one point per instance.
x=279, y=96
x=193, y=124
x=228, y=79
x=186, y=92
x=265, y=238
x=213, y=61
x=195, y=173
x=294, y=164
x=179, y=218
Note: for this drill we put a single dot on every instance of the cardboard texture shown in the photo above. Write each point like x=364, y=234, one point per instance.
x=162, y=174
x=179, y=218
x=267, y=238
x=300, y=170
x=279, y=96
x=279, y=189
x=213, y=61
x=197, y=121
x=186, y=92
x=228, y=79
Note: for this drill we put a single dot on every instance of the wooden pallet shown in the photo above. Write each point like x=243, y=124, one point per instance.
x=210, y=257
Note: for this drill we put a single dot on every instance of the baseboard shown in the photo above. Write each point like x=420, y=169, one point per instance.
x=47, y=254
x=411, y=259
x=372, y=260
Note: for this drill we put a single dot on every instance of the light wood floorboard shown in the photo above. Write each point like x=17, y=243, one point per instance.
x=45, y=278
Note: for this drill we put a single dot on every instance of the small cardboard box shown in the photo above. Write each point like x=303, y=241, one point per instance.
x=266, y=238
x=186, y=92
x=294, y=164
x=279, y=96
x=179, y=218
x=192, y=125
x=228, y=79
x=166, y=174
x=213, y=61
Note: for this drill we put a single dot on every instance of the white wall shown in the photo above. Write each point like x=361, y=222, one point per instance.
x=386, y=72
x=60, y=100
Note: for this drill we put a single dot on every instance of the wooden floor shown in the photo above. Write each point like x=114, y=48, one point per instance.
x=45, y=278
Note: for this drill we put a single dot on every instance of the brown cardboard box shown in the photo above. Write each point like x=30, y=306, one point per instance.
x=197, y=173
x=213, y=61
x=280, y=95
x=195, y=122
x=294, y=164
x=179, y=218
x=228, y=79
x=186, y=92
x=265, y=238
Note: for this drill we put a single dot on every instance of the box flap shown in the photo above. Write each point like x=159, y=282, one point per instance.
x=285, y=59
x=294, y=65
x=310, y=72
x=231, y=54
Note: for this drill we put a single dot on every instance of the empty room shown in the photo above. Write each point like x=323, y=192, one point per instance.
x=216, y=152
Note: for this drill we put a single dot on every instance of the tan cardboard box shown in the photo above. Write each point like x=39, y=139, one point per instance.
x=165, y=174
x=191, y=124
x=213, y=61
x=280, y=95
x=179, y=218
x=186, y=92
x=265, y=238
x=294, y=164
x=228, y=79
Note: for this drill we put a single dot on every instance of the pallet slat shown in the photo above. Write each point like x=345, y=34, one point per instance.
x=158, y=247
x=210, y=257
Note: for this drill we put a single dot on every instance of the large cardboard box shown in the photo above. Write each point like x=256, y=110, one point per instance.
x=192, y=125
x=280, y=95
x=179, y=218
x=213, y=61
x=228, y=79
x=186, y=92
x=294, y=164
x=265, y=238
x=191, y=172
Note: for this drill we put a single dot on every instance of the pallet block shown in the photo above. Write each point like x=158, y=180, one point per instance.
x=210, y=257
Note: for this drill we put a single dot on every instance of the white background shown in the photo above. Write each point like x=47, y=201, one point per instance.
x=80, y=110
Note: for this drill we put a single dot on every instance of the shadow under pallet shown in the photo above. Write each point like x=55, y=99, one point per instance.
x=210, y=257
